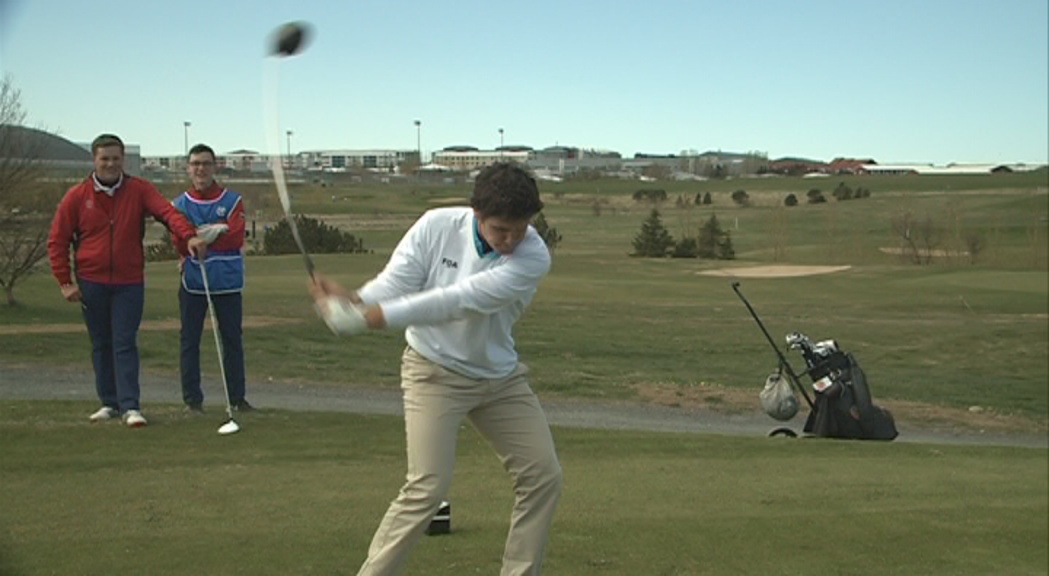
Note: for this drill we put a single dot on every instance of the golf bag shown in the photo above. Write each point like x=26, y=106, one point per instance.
x=840, y=405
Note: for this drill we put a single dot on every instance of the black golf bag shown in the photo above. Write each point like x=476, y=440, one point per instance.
x=840, y=405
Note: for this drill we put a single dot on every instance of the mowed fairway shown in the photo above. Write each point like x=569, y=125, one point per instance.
x=962, y=343
x=302, y=493
x=963, y=331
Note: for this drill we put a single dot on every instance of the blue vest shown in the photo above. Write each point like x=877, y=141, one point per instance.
x=225, y=267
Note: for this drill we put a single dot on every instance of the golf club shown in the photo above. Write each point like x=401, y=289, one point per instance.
x=230, y=426
x=784, y=365
x=285, y=41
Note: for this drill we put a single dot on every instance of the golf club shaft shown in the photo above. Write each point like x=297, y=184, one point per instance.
x=779, y=354
x=298, y=242
x=276, y=161
x=215, y=330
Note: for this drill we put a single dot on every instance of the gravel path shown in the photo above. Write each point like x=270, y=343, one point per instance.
x=42, y=382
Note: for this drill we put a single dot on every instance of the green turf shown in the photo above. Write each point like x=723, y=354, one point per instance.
x=953, y=333
x=301, y=493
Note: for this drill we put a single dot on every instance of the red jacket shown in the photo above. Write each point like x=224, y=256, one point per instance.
x=107, y=231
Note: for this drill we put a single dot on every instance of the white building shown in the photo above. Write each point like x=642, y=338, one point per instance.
x=342, y=160
x=468, y=158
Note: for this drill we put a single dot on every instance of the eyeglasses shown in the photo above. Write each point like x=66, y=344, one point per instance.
x=201, y=163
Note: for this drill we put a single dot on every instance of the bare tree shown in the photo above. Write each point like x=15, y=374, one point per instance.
x=24, y=197
x=921, y=237
x=974, y=244
x=902, y=225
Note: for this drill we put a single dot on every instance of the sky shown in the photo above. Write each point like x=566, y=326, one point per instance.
x=930, y=81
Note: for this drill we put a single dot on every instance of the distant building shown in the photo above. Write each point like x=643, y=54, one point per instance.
x=343, y=160
x=797, y=166
x=566, y=160
x=469, y=158
x=929, y=169
x=242, y=161
x=849, y=165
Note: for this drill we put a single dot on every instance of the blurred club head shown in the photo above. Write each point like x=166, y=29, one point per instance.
x=290, y=39
x=230, y=427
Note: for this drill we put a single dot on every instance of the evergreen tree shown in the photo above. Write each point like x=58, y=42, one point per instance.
x=653, y=241
x=725, y=249
x=713, y=242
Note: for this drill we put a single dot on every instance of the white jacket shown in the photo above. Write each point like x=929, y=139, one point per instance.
x=458, y=306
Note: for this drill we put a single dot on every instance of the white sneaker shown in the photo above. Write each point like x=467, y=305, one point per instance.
x=134, y=419
x=102, y=414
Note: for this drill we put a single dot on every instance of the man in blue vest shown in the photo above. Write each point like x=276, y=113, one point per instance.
x=218, y=215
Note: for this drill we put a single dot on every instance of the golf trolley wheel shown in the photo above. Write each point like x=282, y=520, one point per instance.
x=782, y=431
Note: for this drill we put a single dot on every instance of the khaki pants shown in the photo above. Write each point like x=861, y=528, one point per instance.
x=507, y=413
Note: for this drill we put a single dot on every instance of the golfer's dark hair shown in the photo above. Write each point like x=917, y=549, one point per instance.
x=105, y=141
x=200, y=149
x=506, y=190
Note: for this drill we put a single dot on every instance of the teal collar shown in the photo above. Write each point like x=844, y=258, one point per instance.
x=484, y=250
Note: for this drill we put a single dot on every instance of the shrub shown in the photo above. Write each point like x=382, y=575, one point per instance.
x=317, y=237
x=741, y=198
x=790, y=200
x=686, y=248
x=650, y=195
x=546, y=232
x=815, y=196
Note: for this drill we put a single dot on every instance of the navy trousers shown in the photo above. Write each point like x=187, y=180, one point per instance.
x=229, y=313
x=113, y=313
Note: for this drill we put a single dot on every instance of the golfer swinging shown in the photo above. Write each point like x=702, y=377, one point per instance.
x=457, y=282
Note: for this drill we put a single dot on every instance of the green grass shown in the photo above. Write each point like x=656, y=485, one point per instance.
x=301, y=493
x=952, y=333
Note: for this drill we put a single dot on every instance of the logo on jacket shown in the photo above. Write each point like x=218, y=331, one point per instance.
x=450, y=263
x=221, y=211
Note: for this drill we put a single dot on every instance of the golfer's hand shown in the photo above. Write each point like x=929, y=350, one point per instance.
x=71, y=292
x=344, y=318
x=197, y=247
x=321, y=286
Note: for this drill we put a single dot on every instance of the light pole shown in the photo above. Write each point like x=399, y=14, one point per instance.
x=185, y=136
x=289, y=133
x=419, y=140
x=500, y=141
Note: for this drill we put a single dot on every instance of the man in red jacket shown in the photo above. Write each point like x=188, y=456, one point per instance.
x=103, y=218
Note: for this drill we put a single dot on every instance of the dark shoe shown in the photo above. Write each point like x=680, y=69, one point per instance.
x=243, y=406
x=196, y=409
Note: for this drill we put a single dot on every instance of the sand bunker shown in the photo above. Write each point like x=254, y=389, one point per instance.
x=773, y=271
